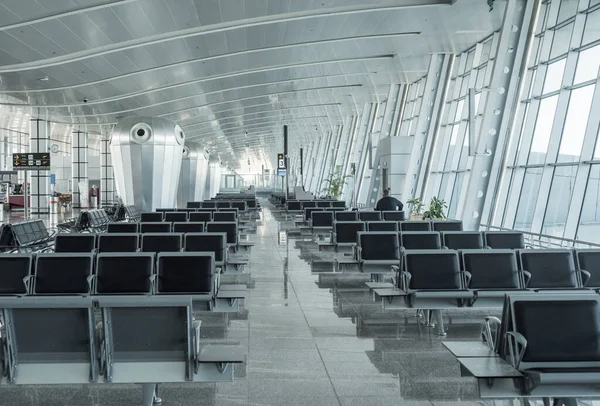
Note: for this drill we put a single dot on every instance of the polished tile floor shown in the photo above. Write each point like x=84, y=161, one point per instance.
x=312, y=338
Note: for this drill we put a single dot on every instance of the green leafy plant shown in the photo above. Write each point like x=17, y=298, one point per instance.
x=436, y=209
x=335, y=185
x=417, y=206
x=490, y=4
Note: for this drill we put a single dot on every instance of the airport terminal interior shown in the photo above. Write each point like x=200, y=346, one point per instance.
x=299, y=202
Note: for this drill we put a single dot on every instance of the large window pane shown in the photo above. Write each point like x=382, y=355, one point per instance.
x=559, y=201
x=554, y=76
x=592, y=28
x=589, y=222
x=568, y=8
x=543, y=127
x=528, y=199
x=575, y=124
x=561, y=41
x=588, y=64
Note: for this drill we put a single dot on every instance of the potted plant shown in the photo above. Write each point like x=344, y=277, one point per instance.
x=416, y=210
x=436, y=209
x=334, y=187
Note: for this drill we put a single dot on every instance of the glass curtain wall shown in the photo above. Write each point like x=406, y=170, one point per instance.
x=552, y=181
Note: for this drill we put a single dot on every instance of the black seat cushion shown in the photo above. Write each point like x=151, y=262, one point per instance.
x=75, y=243
x=294, y=206
x=382, y=226
x=549, y=269
x=118, y=242
x=151, y=217
x=155, y=227
x=201, y=216
x=13, y=268
x=185, y=274
x=369, y=215
x=122, y=274
x=122, y=228
x=415, y=226
x=172, y=217
x=590, y=261
x=346, y=216
x=62, y=274
x=491, y=269
x=322, y=219
x=394, y=216
x=229, y=228
x=447, y=225
x=188, y=227
x=462, y=240
x=308, y=212
x=505, y=240
x=559, y=331
x=211, y=242
x=224, y=216
x=433, y=271
x=347, y=232
x=376, y=246
x=415, y=240
x=161, y=242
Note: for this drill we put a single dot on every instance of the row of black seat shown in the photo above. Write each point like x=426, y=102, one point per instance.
x=31, y=233
x=242, y=205
x=197, y=216
x=300, y=205
x=150, y=242
x=322, y=217
x=164, y=227
x=107, y=273
x=355, y=233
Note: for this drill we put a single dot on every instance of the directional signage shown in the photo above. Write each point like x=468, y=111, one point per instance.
x=281, y=167
x=31, y=161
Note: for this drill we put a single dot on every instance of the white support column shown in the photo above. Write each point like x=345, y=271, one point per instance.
x=107, y=177
x=365, y=157
x=79, y=157
x=322, y=161
x=499, y=108
x=39, y=141
x=427, y=126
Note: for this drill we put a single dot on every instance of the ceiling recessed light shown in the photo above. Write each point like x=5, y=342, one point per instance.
x=44, y=79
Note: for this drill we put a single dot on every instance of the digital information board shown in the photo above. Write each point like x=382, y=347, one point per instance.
x=37, y=161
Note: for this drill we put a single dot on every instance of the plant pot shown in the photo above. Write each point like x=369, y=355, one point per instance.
x=416, y=218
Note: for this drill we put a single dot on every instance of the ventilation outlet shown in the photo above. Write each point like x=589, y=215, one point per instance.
x=179, y=135
x=186, y=152
x=140, y=133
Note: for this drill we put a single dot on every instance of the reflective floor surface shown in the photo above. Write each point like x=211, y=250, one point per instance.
x=312, y=338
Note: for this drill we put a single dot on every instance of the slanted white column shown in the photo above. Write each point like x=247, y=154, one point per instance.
x=79, y=155
x=107, y=176
x=39, y=141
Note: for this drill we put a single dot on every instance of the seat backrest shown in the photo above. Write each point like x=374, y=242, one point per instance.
x=462, y=240
x=156, y=217
x=188, y=227
x=393, y=215
x=67, y=242
x=322, y=218
x=562, y=331
x=122, y=228
x=347, y=231
x=162, y=242
x=185, y=272
x=223, y=203
x=294, y=205
x=124, y=242
x=124, y=273
x=421, y=240
x=175, y=216
x=251, y=203
x=224, y=216
x=382, y=226
x=239, y=204
x=433, y=270
x=194, y=205
x=207, y=242
x=369, y=215
x=346, y=215
x=166, y=210
x=308, y=204
x=309, y=211
x=589, y=260
x=13, y=268
x=323, y=203
x=379, y=246
x=155, y=227
x=67, y=274
x=448, y=225
x=492, y=269
x=209, y=204
x=415, y=226
x=550, y=269
x=505, y=240
x=202, y=217
x=338, y=204
x=230, y=228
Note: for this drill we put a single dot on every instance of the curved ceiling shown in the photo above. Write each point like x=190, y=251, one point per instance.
x=230, y=72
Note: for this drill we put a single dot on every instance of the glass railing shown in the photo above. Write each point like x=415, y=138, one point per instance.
x=534, y=240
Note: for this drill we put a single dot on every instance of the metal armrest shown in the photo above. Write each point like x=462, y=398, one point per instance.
x=357, y=252
x=526, y=278
x=585, y=277
x=405, y=278
x=516, y=340
x=152, y=279
x=90, y=281
x=396, y=270
x=27, y=281
x=489, y=331
x=196, y=344
x=467, y=278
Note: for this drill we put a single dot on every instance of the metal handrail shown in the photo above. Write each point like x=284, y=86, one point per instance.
x=546, y=241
